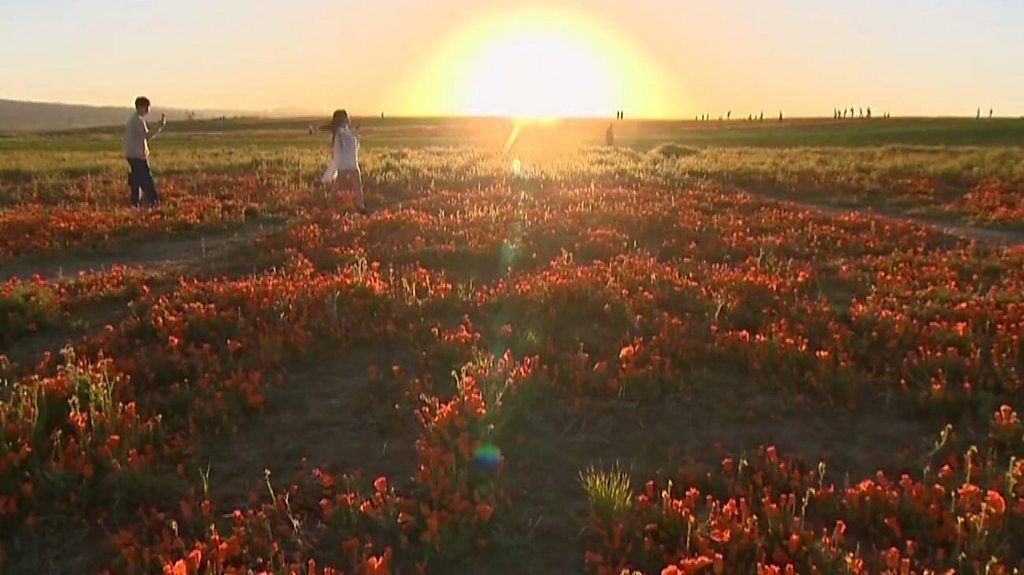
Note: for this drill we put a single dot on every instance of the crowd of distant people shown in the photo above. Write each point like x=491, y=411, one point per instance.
x=837, y=114
x=850, y=113
x=855, y=113
x=759, y=117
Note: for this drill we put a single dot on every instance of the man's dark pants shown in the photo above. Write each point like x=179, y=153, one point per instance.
x=141, y=179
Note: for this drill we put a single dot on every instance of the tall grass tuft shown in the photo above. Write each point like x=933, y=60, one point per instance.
x=610, y=492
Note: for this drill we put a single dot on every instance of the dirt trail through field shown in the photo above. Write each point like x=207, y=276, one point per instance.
x=327, y=412
x=187, y=252
x=980, y=234
x=222, y=252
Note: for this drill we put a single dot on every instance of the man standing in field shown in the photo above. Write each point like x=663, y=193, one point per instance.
x=136, y=150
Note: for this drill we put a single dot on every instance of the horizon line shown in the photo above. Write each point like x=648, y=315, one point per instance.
x=281, y=113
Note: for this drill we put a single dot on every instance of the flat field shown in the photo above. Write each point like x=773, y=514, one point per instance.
x=717, y=347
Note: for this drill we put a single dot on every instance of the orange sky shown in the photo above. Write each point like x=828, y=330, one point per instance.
x=651, y=58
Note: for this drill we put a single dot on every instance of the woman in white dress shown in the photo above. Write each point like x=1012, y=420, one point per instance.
x=344, y=167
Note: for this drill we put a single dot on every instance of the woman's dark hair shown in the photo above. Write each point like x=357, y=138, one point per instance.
x=338, y=119
x=141, y=101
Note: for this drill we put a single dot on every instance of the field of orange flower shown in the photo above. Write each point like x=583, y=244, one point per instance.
x=591, y=361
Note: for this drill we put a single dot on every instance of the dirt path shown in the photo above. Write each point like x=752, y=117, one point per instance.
x=224, y=252
x=186, y=252
x=326, y=412
x=964, y=231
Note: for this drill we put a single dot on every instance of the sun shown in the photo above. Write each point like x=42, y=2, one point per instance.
x=538, y=63
x=538, y=72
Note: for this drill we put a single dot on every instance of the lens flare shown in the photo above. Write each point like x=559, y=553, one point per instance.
x=488, y=456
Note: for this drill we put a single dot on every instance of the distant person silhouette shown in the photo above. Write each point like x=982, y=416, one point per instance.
x=136, y=151
x=990, y=113
x=728, y=115
x=780, y=115
x=760, y=118
x=869, y=112
x=609, y=136
x=979, y=114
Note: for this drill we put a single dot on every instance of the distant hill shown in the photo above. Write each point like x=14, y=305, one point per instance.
x=20, y=116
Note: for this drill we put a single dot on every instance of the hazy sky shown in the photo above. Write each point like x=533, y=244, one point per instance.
x=670, y=58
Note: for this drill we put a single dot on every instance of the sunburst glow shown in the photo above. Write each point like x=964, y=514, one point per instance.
x=538, y=73
x=540, y=64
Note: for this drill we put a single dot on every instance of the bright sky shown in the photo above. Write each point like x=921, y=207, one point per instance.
x=651, y=58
